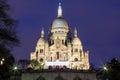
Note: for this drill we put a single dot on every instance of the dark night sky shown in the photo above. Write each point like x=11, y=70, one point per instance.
x=97, y=21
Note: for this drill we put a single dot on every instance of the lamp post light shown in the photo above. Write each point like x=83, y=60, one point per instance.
x=105, y=72
x=2, y=61
x=105, y=68
x=15, y=69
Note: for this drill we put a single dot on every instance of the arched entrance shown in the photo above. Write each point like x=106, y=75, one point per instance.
x=77, y=78
x=59, y=77
x=40, y=78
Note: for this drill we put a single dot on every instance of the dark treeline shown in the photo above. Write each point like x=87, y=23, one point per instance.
x=8, y=39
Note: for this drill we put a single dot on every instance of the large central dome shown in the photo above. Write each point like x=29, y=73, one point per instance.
x=60, y=23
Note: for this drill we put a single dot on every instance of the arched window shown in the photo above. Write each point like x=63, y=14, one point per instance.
x=76, y=50
x=77, y=78
x=41, y=59
x=80, y=51
x=62, y=41
x=37, y=54
x=41, y=50
x=40, y=78
x=71, y=50
x=50, y=67
x=76, y=59
x=64, y=67
x=59, y=77
x=57, y=55
x=51, y=58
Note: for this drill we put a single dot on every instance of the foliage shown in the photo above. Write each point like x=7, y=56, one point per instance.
x=8, y=35
x=111, y=70
x=8, y=39
x=92, y=67
x=40, y=65
x=7, y=60
x=33, y=63
x=23, y=63
x=40, y=78
x=114, y=69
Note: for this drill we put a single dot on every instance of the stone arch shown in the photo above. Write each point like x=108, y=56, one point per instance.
x=77, y=78
x=75, y=59
x=40, y=78
x=41, y=59
x=59, y=77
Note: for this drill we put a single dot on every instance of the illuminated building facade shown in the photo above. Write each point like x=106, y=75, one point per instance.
x=61, y=50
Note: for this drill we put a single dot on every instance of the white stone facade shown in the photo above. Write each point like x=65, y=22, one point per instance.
x=61, y=49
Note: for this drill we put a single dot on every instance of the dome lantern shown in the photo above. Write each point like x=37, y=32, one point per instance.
x=75, y=32
x=60, y=22
x=42, y=33
x=59, y=10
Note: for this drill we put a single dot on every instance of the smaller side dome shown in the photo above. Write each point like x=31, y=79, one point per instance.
x=76, y=41
x=41, y=41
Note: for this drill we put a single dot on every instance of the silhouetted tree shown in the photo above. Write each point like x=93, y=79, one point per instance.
x=8, y=36
x=92, y=67
x=7, y=62
x=23, y=63
x=40, y=65
x=110, y=71
x=114, y=69
x=8, y=39
x=40, y=78
x=33, y=63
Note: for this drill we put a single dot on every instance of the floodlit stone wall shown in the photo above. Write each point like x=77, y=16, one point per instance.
x=59, y=75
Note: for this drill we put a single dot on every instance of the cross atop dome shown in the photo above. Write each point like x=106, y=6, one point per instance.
x=42, y=33
x=75, y=32
x=59, y=10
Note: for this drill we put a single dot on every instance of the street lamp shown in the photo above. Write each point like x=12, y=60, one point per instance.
x=15, y=69
x=105, y=72
x=2, y=60
x=105, y=67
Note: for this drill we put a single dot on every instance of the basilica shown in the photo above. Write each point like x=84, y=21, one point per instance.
x=61, y=49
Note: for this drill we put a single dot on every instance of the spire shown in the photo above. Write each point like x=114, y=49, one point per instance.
x=59, y=10
x=75, y=32
x=42, y=33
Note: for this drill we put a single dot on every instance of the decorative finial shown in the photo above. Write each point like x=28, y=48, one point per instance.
x=59, y=10
x=42, y=32
x=75, y=32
